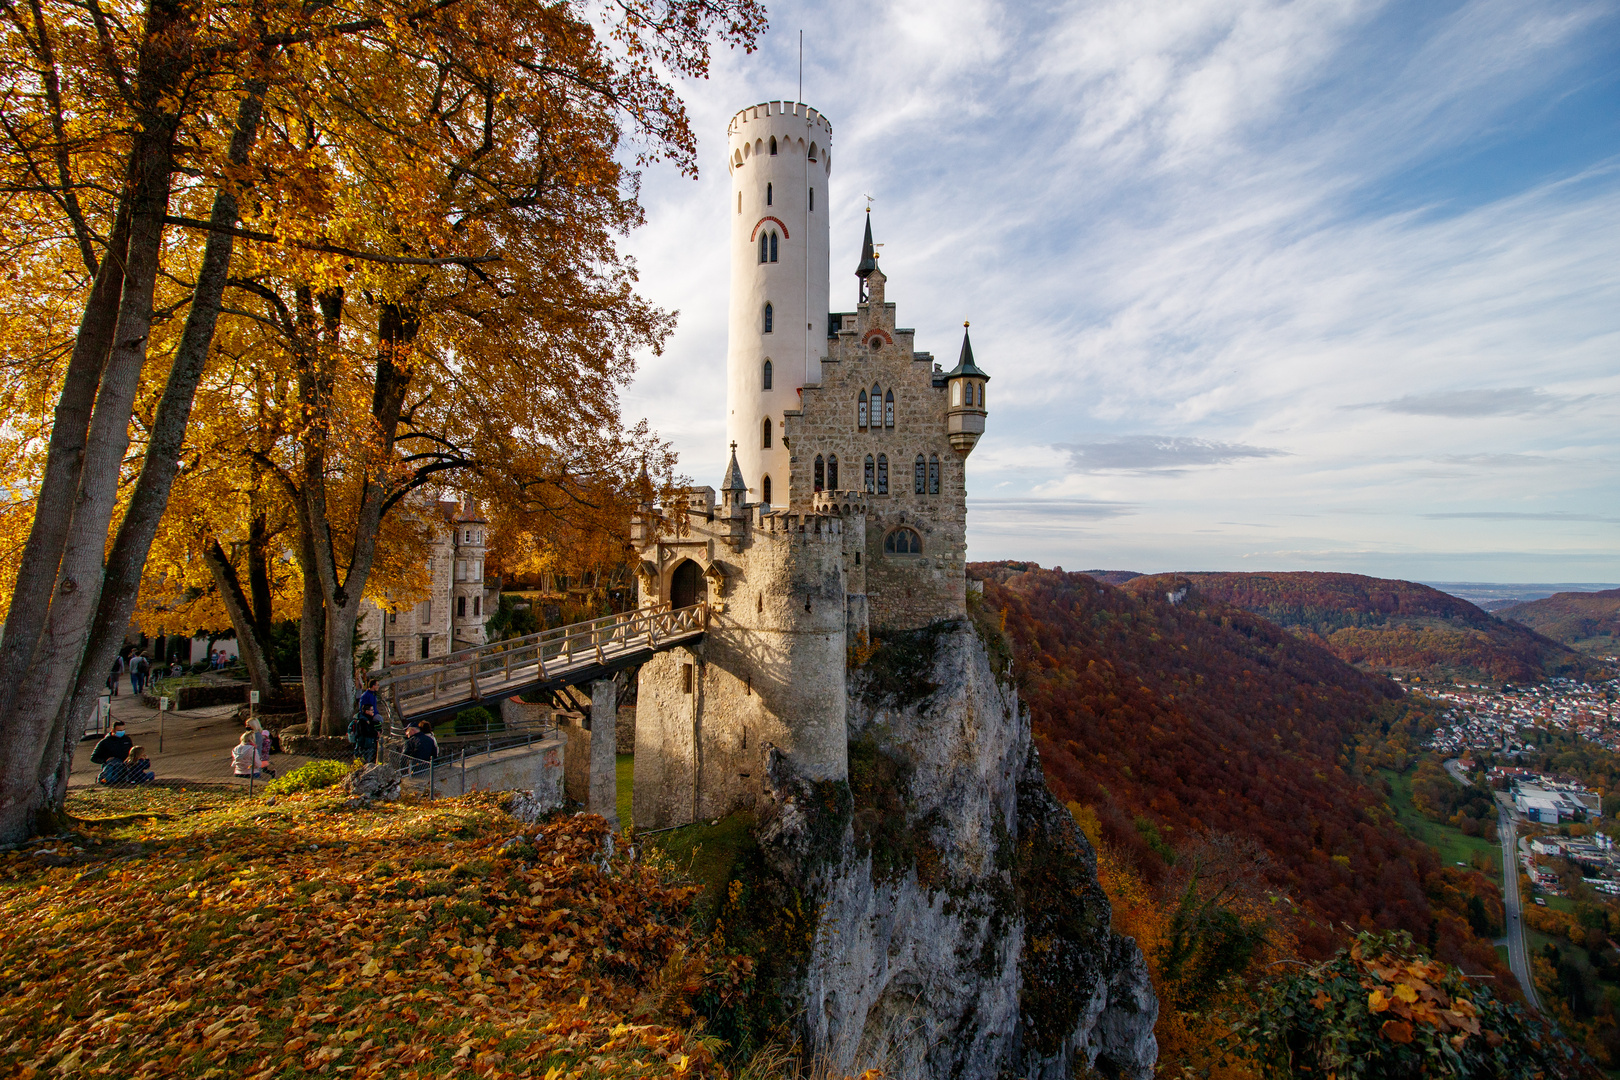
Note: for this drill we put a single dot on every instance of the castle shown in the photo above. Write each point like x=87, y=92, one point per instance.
x=843, y=508
x=453, y=614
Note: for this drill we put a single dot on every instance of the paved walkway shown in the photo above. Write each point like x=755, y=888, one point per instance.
x=193, y=745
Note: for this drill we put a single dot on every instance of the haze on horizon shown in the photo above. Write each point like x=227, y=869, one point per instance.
x=1321, y=285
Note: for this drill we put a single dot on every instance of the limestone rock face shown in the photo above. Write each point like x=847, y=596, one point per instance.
x=962, y=930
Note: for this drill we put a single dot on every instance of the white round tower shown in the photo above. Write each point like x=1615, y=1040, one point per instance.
x=780, y=157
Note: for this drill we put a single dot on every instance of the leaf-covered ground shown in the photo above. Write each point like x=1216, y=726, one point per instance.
x=212, y=935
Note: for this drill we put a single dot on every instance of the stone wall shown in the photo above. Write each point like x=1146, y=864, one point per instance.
x=769, y=670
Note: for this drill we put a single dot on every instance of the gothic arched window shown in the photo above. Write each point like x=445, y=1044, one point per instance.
x=933, y=474
x=883, y=474
x=919, y=478
x=832, y=472
x=765, y=436
x=770, y=314
x=821, y=473
x=871, y=469
x=902, y=542
x=877, y=407
x=773, y=144
x=767, y=385
x=888, y=409
x=767, y=194
x=765, y=487
x=773, y=246
x=860, y=411
x=764, y=247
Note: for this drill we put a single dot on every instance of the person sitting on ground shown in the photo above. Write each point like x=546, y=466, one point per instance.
x=138, y=767
x=110, y=753
x=245, y=756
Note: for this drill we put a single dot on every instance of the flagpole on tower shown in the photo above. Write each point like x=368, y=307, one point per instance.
x=801, y=65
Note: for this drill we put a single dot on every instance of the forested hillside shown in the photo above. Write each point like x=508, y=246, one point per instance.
x=1583, y=620
x=1387, y=625
x=1175, y=722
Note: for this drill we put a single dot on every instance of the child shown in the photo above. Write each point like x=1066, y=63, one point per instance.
x=245, y=756
x=261, y=741
x=138, y=767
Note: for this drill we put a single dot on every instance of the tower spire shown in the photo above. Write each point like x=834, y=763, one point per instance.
x=868, y=252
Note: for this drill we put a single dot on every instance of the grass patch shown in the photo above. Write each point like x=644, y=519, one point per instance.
x=1448, y=840
x=624, y=769
x=711, y=855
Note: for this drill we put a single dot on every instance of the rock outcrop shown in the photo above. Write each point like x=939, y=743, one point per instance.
x=961, y=929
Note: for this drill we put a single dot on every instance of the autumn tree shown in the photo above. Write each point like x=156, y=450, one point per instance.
x=404, y=138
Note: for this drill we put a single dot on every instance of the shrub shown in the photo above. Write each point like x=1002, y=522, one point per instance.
x=312, y=777
x=477, y=721
x=1421, y=1019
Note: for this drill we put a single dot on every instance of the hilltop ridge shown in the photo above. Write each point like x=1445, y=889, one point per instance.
x=1583, y=620
x=1388, y=625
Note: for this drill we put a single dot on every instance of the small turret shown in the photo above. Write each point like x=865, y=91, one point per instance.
x=965, y=414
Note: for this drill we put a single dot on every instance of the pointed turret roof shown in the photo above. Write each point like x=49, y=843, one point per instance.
x=734, y=476
x=868, y=252
x=965, y=365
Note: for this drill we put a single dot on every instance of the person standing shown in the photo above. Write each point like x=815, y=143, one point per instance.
x=138, y=665
x=112, y=677
x=365, y=734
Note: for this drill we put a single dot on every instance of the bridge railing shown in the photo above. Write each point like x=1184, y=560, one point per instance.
x=470, y=673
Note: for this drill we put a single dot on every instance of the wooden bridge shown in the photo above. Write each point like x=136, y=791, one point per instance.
x=550, y=660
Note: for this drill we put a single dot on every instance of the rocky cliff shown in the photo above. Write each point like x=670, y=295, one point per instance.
x=960, y=930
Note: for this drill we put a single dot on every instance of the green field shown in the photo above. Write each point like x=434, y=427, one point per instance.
x=1448, y=840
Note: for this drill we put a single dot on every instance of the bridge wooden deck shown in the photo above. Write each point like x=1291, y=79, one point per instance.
x=566, y=656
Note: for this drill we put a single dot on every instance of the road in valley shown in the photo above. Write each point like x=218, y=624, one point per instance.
x=1518, y=954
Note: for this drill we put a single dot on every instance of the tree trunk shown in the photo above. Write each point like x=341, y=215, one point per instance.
x=310, y=628
x=254, y=648
x=258, y=567
x=53, y=509
x=33, y=732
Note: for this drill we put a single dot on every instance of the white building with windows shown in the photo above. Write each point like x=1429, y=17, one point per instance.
x=452, y=616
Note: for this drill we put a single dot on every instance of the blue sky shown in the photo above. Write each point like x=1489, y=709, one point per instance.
x=1319, y=285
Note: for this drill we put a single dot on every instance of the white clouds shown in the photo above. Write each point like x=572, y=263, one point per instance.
x=1210, y=221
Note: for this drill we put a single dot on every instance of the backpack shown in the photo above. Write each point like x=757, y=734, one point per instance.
x=354, y=729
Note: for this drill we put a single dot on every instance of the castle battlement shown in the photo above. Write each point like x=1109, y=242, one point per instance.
x=768, y=110
x=847, y=502
x=776, y=522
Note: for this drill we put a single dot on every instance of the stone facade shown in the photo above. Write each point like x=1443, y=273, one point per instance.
x=793, y=579
x=899, y=463
x=452, y=615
